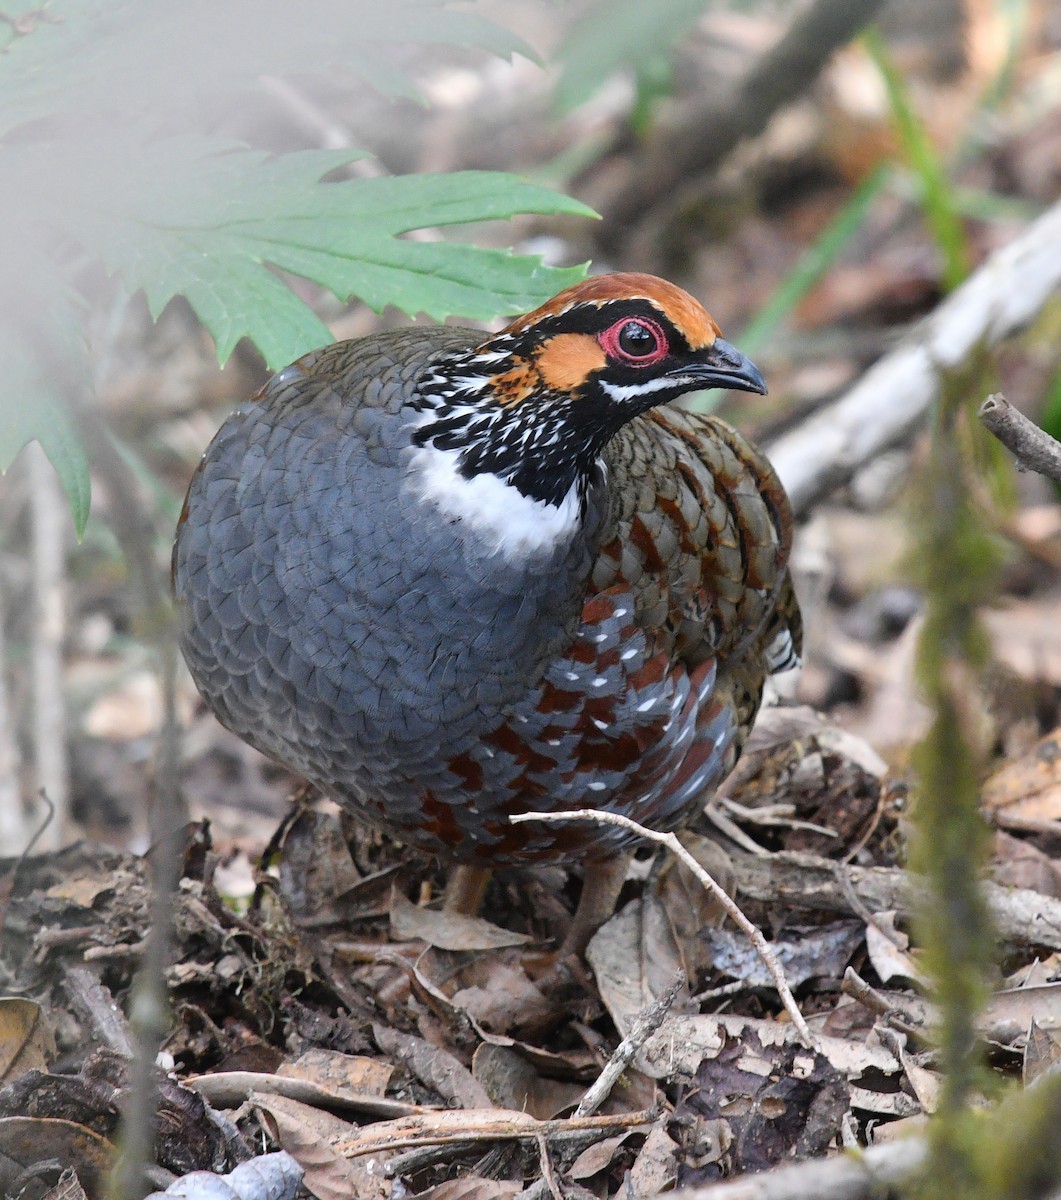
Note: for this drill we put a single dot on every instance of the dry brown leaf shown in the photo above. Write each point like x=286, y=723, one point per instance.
x=926, y=1084
x=447, y=930
x=687, y=904
x=635, y=959
x=1026, y=637
x=780, y=1102
x=316, y=869
x=68, y=1188
x=343, y=1074
x=1042, y=1052
x=1021, y=864
x=505, y=999
x=1027, y=788
x=314, y=1139
x=887, y=947
x=437, y=1068
x=32, y=1140
x=683, y=1041
x=229, y=1089
x=1010, y=1013
x=511, y=1082
x=655, y=1169
x=819, y=953
x=895, y=1104
x=26, y=1041
x=597, y=1157
x=82, y=890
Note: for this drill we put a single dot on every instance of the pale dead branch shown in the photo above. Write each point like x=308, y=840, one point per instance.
x=646, y=1024
x=848, y=1176
x=1033, y=448
x=751, y=930
x=1021, y=917
x=890, y=401
x=49, y=522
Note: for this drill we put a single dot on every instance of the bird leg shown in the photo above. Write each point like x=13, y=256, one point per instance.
x=601, y=884
x=466, y=889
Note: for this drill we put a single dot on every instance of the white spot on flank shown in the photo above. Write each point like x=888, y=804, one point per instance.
x=645, y=705
x=572, y=675
x=597, y=786
x=600, y=681
x=507, y=521
x=628, y=654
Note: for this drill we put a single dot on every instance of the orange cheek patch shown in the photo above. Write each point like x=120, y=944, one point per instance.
x=567, y=360
x=514, y=386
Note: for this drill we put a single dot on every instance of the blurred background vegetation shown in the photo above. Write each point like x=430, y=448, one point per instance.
x=193, y=194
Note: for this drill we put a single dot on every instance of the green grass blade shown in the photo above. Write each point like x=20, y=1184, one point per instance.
x=937, y=198
x=814, y=262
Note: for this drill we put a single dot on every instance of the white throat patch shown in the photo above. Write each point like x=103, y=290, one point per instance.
x=505, y=520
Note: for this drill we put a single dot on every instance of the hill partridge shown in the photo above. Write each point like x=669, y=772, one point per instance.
x=450, y=576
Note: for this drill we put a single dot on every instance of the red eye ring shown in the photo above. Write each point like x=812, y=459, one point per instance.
x=612, y=338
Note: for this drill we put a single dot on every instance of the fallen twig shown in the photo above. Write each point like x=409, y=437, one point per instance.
x=449, y=1127
x=645, y=1025
x=849, y=1176
x=751, y=930
x=1033, y=448
x=857, y=988
x=890, y=400
x=1021, y=917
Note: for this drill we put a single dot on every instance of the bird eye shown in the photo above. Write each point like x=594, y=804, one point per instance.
x=636, y=341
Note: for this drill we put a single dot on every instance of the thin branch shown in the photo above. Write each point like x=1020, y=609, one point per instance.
x=645, y=1025
x=889, y=402
x=851, y=1176
x=751, y=930
x=12, y=819
x=450, y=1127
x=548, y=1174
x=1021, y=916
x=49, y=522
x=149, y=1012
x=46, y=819
x=1033, y=448
x=717, y=126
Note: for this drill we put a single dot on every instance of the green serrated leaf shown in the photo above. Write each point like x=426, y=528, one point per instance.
x=102, y=94
x=152, y=63
x=176, y=219
x=32, y=409
x=617, y=35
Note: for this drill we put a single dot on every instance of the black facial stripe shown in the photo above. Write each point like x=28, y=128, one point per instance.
x=595, y=318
